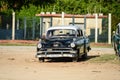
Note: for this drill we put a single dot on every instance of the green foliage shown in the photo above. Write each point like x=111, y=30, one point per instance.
x=32, y=7
x=105, y=58
x=31, y=11
x=7, y=12
x=68, y=6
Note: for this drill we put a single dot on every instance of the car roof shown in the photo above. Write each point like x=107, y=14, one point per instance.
x=65, y=27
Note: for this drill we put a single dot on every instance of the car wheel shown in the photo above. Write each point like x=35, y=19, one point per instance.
x=76, y=59
x=41, y=59
x=84, y=56
x=115, y=46
x=119, y=54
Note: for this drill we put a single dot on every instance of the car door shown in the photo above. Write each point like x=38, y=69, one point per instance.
x=80, y=41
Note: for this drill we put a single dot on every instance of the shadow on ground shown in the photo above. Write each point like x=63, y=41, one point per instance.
x=70, y=60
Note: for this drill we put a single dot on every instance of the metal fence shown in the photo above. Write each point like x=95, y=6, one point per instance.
x=25, y=28
x=28, y=28
x=102, y=35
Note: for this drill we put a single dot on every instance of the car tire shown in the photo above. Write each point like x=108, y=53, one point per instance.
x=76, y=59
x=115, y=48
x=41, y=59
x=85, y=56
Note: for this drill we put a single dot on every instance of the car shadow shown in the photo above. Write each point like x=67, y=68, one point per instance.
x=89, y=57
x=60, y=60
x=70, y=60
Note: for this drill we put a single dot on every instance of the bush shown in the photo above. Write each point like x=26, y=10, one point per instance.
x=28, y=12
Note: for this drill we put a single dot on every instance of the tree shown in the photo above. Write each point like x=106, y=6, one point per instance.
x=31, y=7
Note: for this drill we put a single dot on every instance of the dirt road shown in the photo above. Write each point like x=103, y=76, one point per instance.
x=19, y=63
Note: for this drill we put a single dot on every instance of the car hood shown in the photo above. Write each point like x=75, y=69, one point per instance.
x=62, y=42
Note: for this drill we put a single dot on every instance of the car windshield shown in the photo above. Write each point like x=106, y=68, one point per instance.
x=60, y=33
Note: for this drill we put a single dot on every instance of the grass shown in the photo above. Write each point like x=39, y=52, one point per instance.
x=110, y=58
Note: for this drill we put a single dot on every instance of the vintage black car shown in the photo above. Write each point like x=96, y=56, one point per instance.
x=116, y=40
x=63, y=42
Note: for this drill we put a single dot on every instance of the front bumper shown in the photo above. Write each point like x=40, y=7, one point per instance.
x=56, y=54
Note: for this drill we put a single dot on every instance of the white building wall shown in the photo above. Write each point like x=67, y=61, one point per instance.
x=90, y=23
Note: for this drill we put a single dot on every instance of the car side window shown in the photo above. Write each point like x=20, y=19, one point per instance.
x=79, y=33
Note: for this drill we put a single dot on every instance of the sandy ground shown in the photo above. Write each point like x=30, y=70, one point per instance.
x=19, y=63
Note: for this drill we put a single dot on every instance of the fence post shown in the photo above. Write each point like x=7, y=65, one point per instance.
x=84, y=24
x=25, y=26
x=33, y=25
x=51, y=21
x=18, y=24
x=73, y=20
x=109, y=28
x=13, y=26
x=41, y=25
x=96, y=28
x=62, y=18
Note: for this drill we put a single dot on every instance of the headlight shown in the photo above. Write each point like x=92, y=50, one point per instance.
x=39, y=45
x=72, y=45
